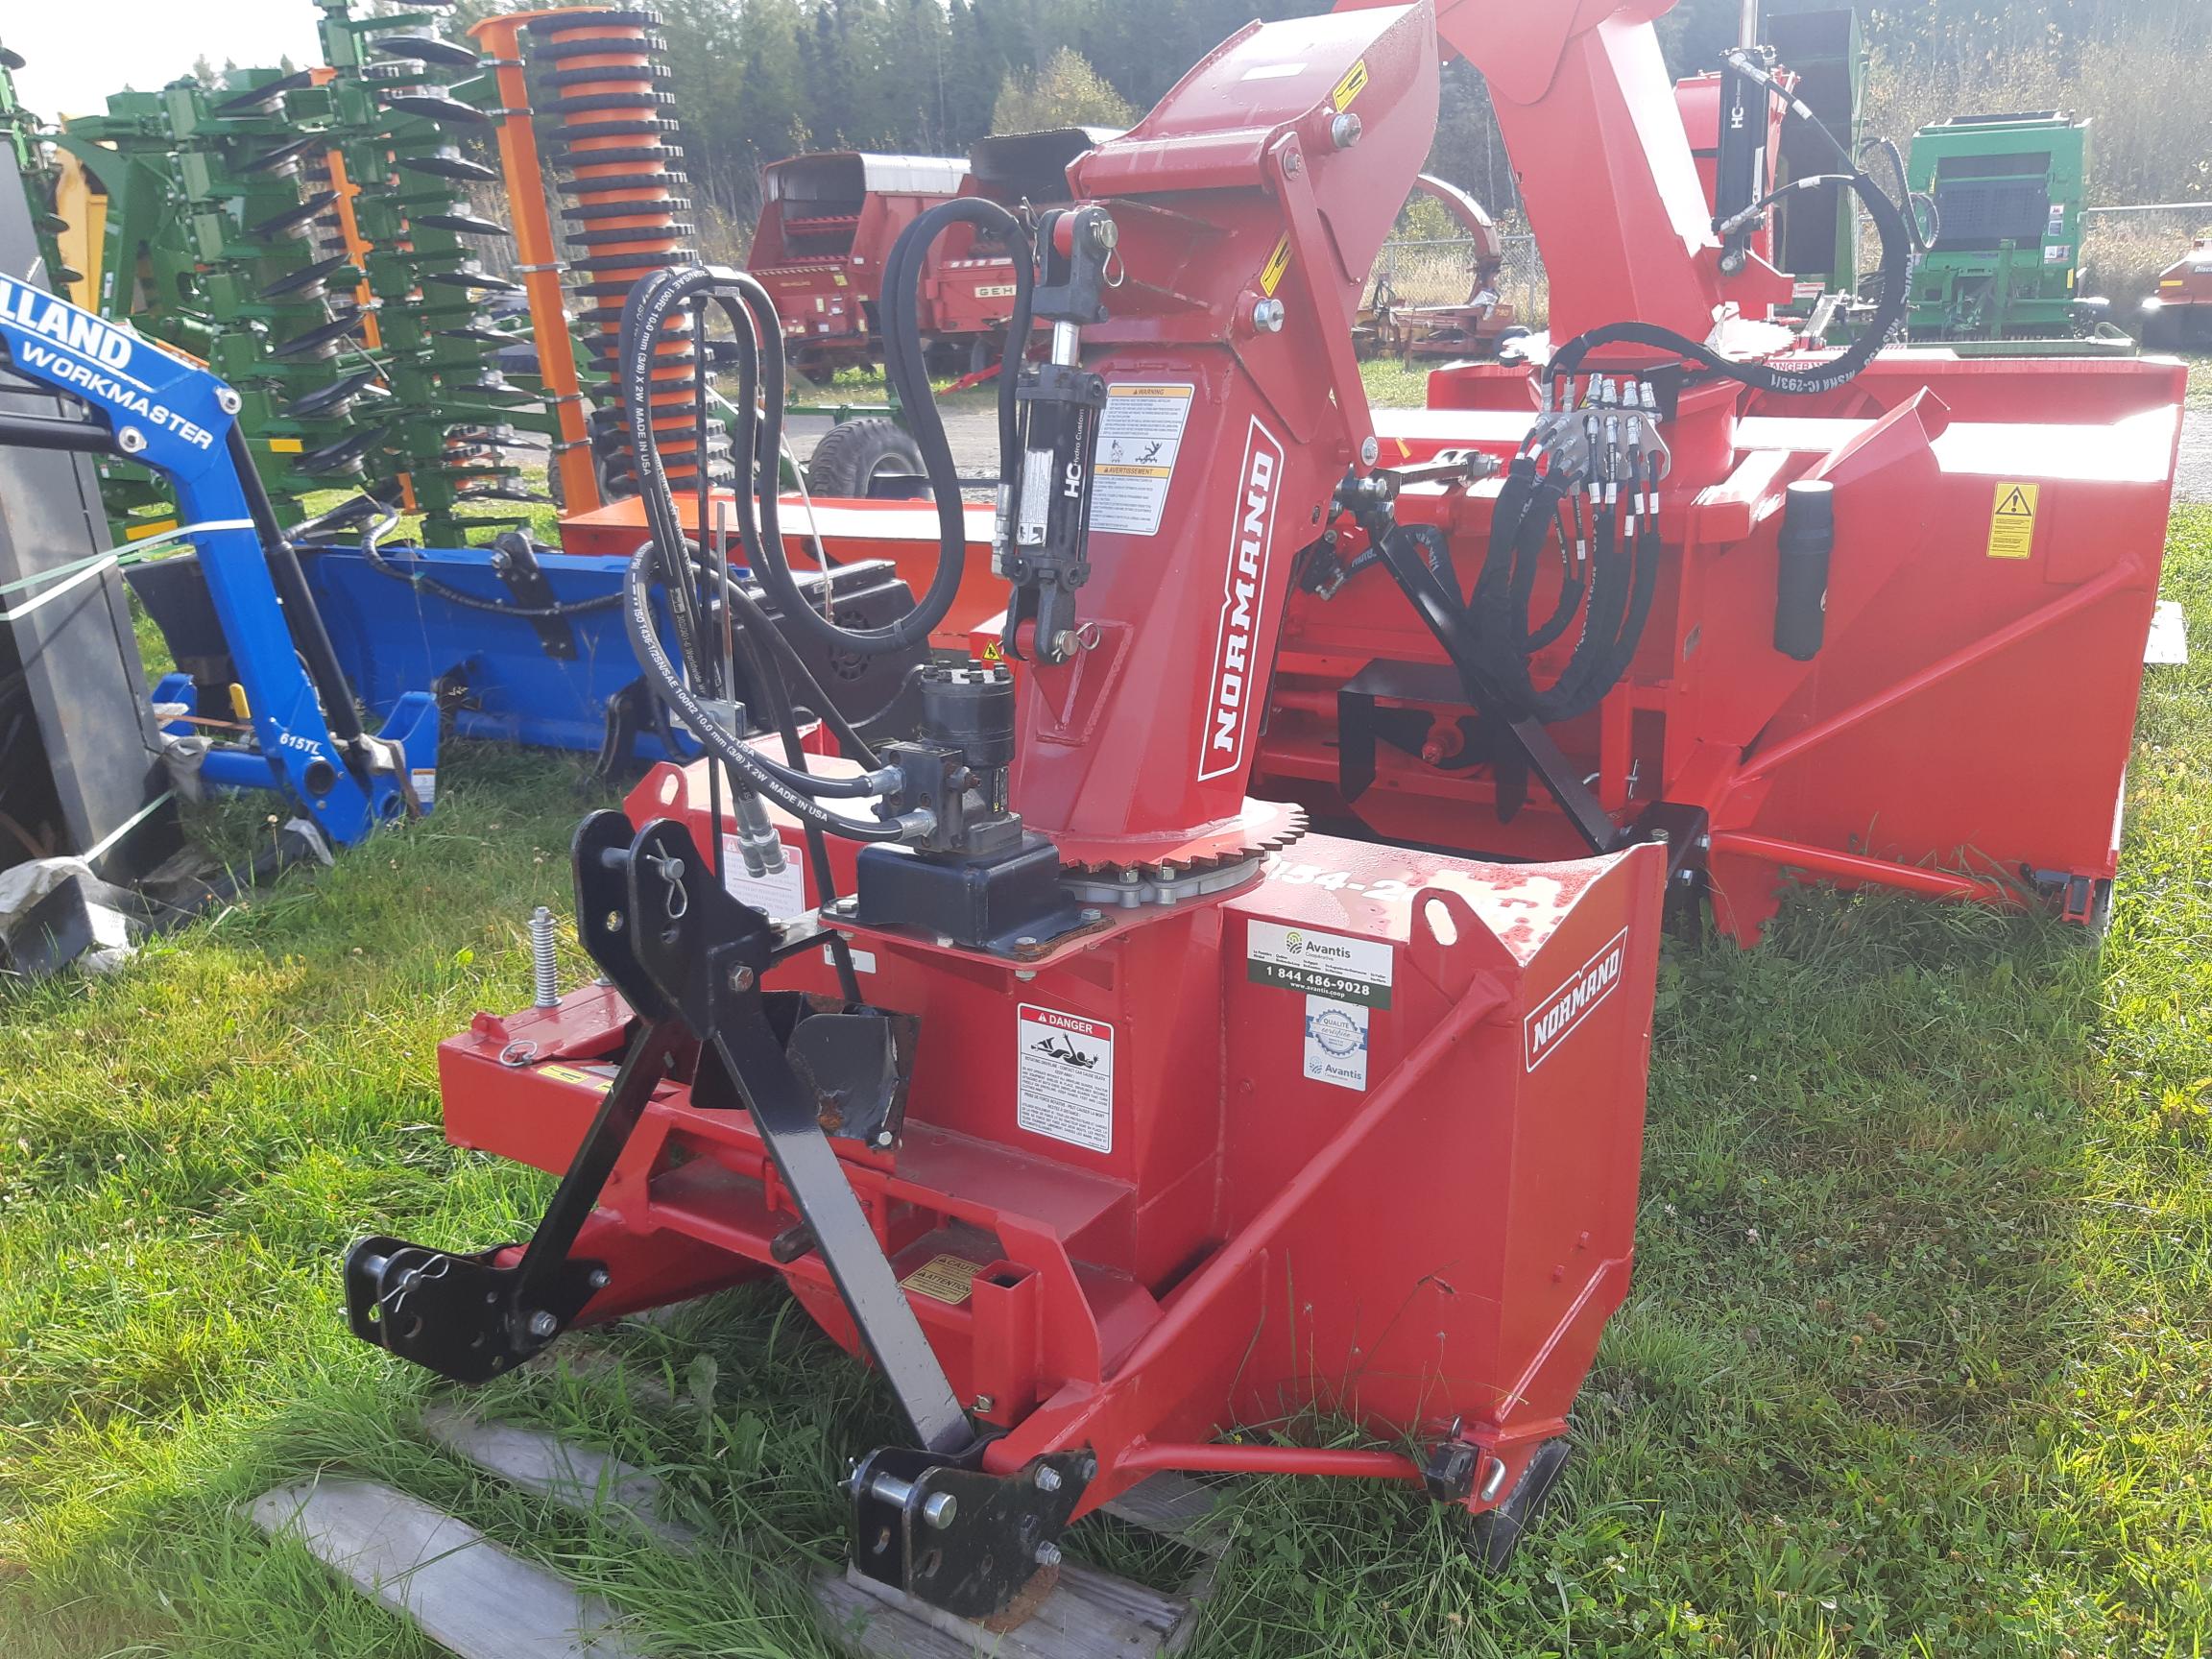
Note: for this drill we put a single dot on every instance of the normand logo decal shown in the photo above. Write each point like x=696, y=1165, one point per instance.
x=1239, y=680
x=1560, y=1014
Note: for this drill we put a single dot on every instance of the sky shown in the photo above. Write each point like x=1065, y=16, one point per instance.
x=79, y=51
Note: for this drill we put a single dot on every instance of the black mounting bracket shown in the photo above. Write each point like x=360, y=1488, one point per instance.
x=956, y=1537
x=515, y=561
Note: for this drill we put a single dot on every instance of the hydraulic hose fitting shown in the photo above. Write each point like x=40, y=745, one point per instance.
x=758, y=844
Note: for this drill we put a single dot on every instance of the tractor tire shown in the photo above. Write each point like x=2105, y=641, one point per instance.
x=854, y=453
x=1495, y=1534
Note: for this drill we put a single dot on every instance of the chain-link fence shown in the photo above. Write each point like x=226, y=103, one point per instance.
x=1442, y=273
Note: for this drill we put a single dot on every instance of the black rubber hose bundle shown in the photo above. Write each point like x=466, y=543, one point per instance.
x=909, y=377
x=667, y=558
x=1615, y=604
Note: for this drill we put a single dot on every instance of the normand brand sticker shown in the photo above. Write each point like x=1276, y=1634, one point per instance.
x=1239, y=680
x=1560, y=1014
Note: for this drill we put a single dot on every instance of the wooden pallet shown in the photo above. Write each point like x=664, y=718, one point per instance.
x=470, y=1596
x=481, y=1602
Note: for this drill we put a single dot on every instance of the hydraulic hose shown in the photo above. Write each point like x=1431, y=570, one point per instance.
x=793, y=791
x=373, y=555
x=899, y=317
x=667, y=555
x=1615, y=603
x=749, y=311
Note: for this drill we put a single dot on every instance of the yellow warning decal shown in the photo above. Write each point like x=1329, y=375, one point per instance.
x=1355, y=82
x=569, y=1075
x=1278, y=263
x=150, y=527
x=2171, y=281
x=285, y=447
x=948, y=1278
x=2013, y=521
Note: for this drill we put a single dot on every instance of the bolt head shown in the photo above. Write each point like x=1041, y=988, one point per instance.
x=229, y=401
x=1369, y=451
x=1292, y=165
x=1048, y=1555
x=1047, y=1477
x=1267, y=316
x=741, y=978
x=542, y=1324
x=1344, y=130
x=130, y=440
x=599, y=1278
x=883, y=1136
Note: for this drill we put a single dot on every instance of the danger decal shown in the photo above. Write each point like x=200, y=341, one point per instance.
x=1064, y=1077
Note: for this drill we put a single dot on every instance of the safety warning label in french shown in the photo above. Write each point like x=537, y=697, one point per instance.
x=1139, y=435
x=1064, y=1078
x=779, y=896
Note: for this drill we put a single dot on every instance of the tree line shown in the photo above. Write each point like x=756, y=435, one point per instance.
x=755, y=80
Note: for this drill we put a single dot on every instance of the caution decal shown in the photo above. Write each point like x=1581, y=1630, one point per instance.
x=946, y=1279
x=2013, y=520
x=569, y=1075
x=1355, y=82
x=1277, y=264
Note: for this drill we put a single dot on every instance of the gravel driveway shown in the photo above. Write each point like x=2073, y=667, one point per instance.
x=971, y=427
x=2194, y=483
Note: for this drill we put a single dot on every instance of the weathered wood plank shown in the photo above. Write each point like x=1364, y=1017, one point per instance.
x=1088, y=1615
x=575, y=1476
x=584, y=1359
x=469, y=1595
x=1175, y=1507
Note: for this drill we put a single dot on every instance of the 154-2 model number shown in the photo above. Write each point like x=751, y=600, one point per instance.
x=1277, y=868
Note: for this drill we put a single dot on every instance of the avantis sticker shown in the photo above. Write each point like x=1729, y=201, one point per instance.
x=1331, y=965
x=1557, y=1018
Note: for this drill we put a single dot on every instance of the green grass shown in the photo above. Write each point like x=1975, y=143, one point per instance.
x=1395, y=385
x=1917, y=1361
